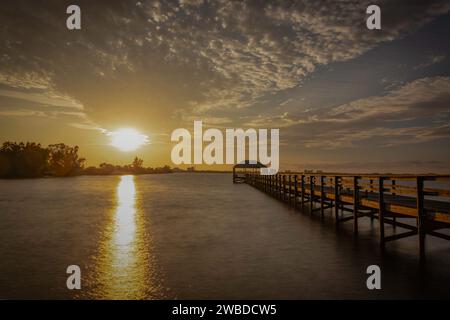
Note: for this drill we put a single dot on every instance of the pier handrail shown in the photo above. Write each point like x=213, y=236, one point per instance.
x=429, y=176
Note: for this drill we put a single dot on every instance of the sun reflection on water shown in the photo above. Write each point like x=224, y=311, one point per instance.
x=125, y=229
x=125, y=268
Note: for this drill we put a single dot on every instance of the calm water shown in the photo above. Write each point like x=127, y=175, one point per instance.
x=190, y=236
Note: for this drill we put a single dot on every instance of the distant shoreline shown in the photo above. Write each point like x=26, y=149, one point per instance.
x=30, y=160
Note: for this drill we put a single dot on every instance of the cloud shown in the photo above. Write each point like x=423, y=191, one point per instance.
x=431, y=60
x=414, y=113
x=230, y=53
x=35, y=87
x=419, y=98
x=22, y=113
x=44, y=97
x=36, y=96
x=288, y=44
x=26, y=80
x=276, y=121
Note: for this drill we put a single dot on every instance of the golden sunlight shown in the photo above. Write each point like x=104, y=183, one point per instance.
x=127, y=139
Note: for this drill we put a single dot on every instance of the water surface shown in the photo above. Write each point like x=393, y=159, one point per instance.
x=193, y=236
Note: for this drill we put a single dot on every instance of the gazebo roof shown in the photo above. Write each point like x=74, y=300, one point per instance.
x=249, y=164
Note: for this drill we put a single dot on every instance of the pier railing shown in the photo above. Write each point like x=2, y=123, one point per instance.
x=394, y=200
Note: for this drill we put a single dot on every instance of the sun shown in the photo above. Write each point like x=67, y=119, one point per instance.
x=127, y=139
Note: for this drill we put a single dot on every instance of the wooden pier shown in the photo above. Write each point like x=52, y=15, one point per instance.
x=391, y=199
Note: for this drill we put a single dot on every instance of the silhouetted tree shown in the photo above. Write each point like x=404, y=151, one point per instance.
x=64, y=160
x=137, y=165
x=30, y=160
x=106, y=168
x=22, y=160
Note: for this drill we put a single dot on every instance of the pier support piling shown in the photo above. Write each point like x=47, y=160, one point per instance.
x=381, y=209
x=355, y=204
x=421, y=223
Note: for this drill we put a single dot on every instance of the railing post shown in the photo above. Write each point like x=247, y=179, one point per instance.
x=394, y=219
x=279, y=187
x=322, y=190
x=336, y=198
x=371, y=191
x=295, y=190
x=421, y=217
x=311, y=194
x=302, y=182
x=381, y=209
x=275, y=186
x=272, y=185
x=290, y=189
x=285, y=188
x=355, y=204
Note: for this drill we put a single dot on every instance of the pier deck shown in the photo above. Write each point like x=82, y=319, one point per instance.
x=387, y=198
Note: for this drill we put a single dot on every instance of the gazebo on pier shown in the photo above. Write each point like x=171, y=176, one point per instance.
x=244, y=167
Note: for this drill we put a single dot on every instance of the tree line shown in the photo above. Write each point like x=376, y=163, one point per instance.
x=31, y=160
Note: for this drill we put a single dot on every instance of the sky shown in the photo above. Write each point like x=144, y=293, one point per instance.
x=344, y=97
